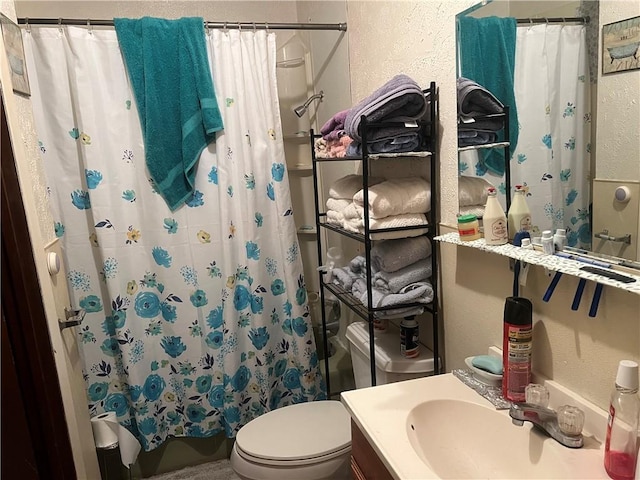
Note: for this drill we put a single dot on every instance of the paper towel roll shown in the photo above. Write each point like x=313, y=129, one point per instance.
x=107, y=433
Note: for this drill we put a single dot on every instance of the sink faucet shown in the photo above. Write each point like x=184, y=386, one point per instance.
x=547, y=420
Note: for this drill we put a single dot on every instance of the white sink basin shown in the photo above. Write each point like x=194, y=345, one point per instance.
x=459, y=439
x=437, y=427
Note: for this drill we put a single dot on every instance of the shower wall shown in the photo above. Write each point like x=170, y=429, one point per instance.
x=329, y=72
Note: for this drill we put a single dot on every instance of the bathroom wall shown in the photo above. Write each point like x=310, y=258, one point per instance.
x=418, y=38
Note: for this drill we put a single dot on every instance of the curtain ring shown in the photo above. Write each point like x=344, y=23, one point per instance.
x=26, y=25
x=267, y=27
x=225, y=27
x=206, y=27
x=254, y=27
x=89, y=27
x=546, y=20
x=60, y=25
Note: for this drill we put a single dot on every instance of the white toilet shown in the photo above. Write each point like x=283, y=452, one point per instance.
x=310, y=441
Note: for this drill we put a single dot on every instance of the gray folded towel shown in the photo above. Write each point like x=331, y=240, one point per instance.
x=344, y=277
x=475, y=100
x=399, y=100
x=421, y=294
x=394, y=281
x=392, y=255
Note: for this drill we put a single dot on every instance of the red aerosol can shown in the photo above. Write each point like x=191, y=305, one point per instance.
x=516, y=347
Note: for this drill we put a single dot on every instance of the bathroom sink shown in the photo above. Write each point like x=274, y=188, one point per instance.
x=437, y=427
x=459, y=439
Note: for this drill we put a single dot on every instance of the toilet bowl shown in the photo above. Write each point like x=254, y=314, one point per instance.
x=310, y=441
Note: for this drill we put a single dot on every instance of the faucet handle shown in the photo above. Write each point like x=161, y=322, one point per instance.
x=570, y=420
x=536, y=394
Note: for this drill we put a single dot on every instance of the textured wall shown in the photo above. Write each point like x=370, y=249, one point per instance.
x=418, y=38
x=618, y=128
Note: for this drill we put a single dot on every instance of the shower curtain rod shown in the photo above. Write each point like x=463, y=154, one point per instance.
x=229, y=25
x=554, y=20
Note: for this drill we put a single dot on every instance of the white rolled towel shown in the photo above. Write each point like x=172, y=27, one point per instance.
x=347, y=186
x=397, y=196
x=472, y=191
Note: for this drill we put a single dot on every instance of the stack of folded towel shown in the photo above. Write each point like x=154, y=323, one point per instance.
x=400, y=274
x=334, y=141
x=472, y=195
x=399, y=100
x=474, y=103
x=398, y=202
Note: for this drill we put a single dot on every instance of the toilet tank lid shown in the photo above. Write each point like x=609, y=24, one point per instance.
x=297, y=432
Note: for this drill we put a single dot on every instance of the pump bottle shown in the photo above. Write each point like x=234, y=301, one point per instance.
x=620, y=448
x=494, y=220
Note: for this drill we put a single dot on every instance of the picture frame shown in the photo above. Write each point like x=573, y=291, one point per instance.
x=621, y=46
x=12, y=37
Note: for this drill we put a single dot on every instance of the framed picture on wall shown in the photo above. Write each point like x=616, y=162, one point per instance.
x=15, y=54
x=621, y=46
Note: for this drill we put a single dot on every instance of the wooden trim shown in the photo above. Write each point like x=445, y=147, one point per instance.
x=370, y=467
x=28, y=333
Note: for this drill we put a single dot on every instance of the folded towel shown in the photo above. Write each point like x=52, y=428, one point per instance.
x=394, y=281
x=334, y=125
x=338, y=204
x=344, y=277
x=491, y=38
x=394, y=221
x=358, y=265
x=475, y=100
x=477, y=210
x=397, y=196
x=392, y=255
x=467, y=138
x=399, y=100
x=348, y=186
x=409, y=142
x=472, y=191
x=335, y=218
x=168, y=66
x=421, y=294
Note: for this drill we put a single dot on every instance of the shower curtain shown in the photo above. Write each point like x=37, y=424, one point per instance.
x=552, y=158
x=197, y=320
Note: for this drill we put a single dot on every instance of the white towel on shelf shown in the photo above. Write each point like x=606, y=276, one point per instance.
x=397, y=196
x=335, y=218
x=347, y=186
x=338, y=204
x=394, y=221
x=472, y=191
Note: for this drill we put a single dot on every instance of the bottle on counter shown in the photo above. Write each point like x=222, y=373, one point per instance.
x=547, y=242
x=560, y=239
x=620, y=448
x=519, y=215
x=494, y=220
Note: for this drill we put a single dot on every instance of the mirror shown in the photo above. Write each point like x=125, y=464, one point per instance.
x=564, y=183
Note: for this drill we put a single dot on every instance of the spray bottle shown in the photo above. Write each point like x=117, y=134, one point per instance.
x=516, y=347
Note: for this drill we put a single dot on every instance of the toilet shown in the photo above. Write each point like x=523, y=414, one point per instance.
x=310, y=441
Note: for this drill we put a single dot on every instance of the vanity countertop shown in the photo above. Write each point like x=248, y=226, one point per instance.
x=382, y=414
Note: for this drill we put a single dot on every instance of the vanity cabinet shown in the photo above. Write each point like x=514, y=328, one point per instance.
x=368, y=234
x=365, y=463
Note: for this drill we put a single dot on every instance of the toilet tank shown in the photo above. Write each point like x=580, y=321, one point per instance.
x=391, y=365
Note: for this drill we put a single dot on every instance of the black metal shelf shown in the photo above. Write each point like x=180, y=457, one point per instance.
x=367, y=311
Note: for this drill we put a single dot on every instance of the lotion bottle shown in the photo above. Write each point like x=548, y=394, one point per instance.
x=494, y=220
x=519, y=215
x=620, y=448
x=517, y=347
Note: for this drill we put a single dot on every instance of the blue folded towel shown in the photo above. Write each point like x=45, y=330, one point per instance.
x=171, y=80
x=487, y=54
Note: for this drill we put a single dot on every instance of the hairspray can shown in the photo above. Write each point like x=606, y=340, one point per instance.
x=516, y=348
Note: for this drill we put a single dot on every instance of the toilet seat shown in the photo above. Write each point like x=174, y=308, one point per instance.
x=300, y=434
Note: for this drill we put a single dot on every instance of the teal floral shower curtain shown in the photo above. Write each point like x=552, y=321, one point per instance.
x=197, y=320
